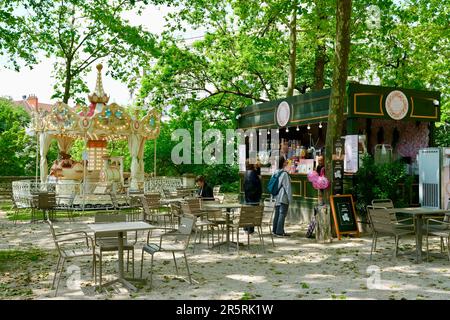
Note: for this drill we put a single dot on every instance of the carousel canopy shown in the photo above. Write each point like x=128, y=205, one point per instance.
x=97, y=121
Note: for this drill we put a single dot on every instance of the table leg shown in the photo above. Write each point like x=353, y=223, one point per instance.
x=121, y=273
x=418, y=224
x=121, y=276
x=227, y=221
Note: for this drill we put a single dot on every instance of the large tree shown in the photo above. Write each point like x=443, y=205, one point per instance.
x=338, y=89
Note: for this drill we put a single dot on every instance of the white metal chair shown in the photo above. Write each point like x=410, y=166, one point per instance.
x=381, y=224
x=216, y=190
x=441, y=229
x=250, y=216
x=193, y=206
x=174, y=241
x=65, y=203
x=395, y=218
x=109, y=241
x=61, y=241
x=151, y=206
x=268, y=212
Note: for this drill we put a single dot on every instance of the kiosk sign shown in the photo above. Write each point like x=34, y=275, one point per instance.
x=397, y=105
x=283, y=114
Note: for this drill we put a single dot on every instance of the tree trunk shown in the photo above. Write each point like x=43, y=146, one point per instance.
x=292, y=50
x=68, y=82
x=340, y=72
x=319, y=68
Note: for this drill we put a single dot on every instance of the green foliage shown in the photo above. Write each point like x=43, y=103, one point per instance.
x=442, y=135
x=381, y=182
x=224, y=175
x=15, y=48
x=17, y=150
x=77, y=34
x=248, y=296
x=218, y=174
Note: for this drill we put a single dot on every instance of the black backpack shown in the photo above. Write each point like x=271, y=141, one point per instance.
x=311, y=227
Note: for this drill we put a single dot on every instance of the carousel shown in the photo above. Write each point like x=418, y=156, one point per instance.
x=97, y=124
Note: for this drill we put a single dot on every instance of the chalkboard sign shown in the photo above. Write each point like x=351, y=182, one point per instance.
x=344, y=214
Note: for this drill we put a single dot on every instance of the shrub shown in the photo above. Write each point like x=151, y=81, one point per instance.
x=381, y=182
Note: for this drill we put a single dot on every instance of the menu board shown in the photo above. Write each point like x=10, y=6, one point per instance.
x=344, y=214
x=351, y=153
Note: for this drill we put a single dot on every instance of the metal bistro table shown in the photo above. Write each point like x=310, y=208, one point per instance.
x=418, y=215
x=228, y=206
x=120, y=228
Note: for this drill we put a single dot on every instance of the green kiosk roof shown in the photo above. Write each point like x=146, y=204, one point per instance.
x=362, y=101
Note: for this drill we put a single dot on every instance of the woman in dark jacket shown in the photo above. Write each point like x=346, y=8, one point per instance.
x=252, y=188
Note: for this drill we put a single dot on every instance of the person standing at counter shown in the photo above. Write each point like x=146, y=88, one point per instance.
x=252, y=188
x=282, y=199
x=284, y=150
x=320, y=165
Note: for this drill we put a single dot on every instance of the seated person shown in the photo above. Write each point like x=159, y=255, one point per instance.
x=204, y=191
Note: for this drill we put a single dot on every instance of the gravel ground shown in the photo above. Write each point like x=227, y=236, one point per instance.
x=296, y=268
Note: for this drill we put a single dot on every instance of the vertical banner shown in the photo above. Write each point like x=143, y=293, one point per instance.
x=242, y=156
x=351, y=154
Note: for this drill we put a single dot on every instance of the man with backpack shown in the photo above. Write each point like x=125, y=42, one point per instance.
x=280, y=188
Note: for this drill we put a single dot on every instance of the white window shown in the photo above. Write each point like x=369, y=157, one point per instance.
x=95, y=158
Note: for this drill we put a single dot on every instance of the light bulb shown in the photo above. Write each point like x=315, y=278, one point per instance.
x=268, y=132
x=309, y=127
x=298, y=129
x=259, y=132
x=320, y=125
x=287, y=129
x=278, y=131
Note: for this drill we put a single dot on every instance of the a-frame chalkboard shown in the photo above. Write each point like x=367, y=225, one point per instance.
x=344, y=215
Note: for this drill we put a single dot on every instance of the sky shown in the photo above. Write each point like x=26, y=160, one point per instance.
x=39, y=82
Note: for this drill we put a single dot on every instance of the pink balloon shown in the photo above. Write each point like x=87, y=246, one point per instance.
x=312, y=176
x=321, y=183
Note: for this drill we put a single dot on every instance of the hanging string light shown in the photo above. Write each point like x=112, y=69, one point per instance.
x=287, y=129
x=298, y=129
x=320, y=125
x=309, y=127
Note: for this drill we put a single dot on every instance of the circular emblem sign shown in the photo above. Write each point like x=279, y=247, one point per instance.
x=397, y=105
x=283, y=114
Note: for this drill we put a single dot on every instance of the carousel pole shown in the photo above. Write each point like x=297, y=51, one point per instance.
x=37, y=156
x=84, y=170
x=154, y=160
x=36, y=132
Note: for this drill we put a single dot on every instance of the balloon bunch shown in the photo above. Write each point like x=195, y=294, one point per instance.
x=319, y=182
